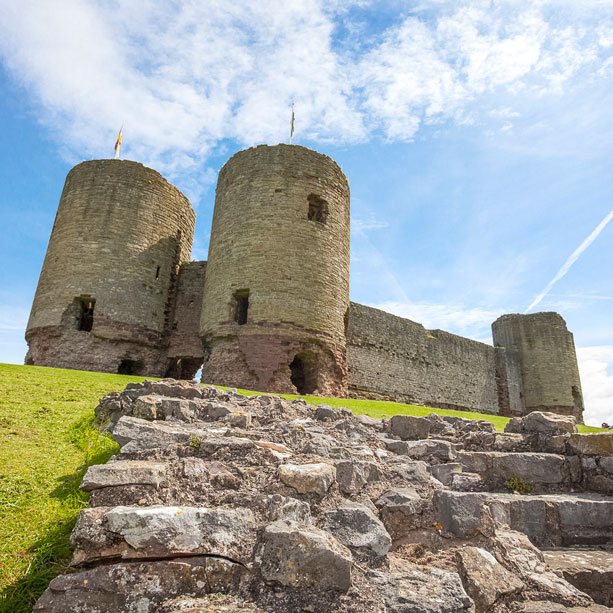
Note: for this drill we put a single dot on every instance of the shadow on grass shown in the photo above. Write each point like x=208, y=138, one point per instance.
x=50, y=554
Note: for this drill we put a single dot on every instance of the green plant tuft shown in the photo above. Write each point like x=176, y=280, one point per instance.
x=519, y=485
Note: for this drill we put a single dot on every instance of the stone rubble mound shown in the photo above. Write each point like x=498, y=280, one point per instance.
x=219, y=502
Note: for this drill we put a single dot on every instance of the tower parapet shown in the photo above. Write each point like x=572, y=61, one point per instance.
x=103, y=298
x=276, y=298
x=538, y=371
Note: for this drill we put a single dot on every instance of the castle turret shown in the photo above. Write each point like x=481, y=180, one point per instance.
x=104, y=300
x=537, y=365
x=276, y=297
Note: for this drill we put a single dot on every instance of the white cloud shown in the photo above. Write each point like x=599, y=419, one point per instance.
x=472, y=322
x=185, y=75
x=596, y=370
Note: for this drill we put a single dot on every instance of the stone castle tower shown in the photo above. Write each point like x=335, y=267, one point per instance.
x=110, y=272
x=276, y=300
x=270, y=309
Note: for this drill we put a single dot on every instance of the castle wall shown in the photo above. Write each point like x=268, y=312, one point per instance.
x=392, y=358
x=185, y=355
x=280, y=249
x=119, y=236
x=541, y=364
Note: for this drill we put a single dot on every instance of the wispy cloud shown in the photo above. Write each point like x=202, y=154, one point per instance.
x=184, y=76
x=572, y=259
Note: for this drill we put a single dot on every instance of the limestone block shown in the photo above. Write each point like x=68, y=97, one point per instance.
x=430, y=448
x=353, y=476
x=162, y=532
x=357, y=527
x=298, y=555
x=409, y=427
x=324, y=412
x=306, y=478
x=148, y=407
x=138, y=586
x=239, y=419
x=445, y=472
x=459, y=512
x=549, y=423
x=401, y=510
x=596, y=443
x=123, y=472
x=484, y=578
x=429, y=591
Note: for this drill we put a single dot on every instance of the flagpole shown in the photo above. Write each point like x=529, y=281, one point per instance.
x=291, y=129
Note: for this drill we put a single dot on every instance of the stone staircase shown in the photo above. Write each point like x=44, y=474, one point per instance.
x=219, y=502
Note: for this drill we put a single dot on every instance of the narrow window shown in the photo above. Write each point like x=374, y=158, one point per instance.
x=130, y=367
x=157, y=273
x=318, y=209
x=86, y=316
x=241, y=306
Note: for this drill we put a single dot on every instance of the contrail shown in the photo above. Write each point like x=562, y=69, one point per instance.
x=573, y=258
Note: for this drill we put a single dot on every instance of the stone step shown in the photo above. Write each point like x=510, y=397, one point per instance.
x=549, y=520
x=589, y=570
x=541, y=471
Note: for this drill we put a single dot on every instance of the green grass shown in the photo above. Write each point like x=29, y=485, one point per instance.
x=47, y=440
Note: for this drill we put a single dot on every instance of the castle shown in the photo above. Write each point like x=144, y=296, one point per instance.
x=270, y=308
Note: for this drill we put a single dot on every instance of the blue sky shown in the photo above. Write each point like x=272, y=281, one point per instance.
x=477, y=137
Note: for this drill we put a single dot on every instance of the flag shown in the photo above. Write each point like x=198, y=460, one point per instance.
x=118, y=142
x=291, y=131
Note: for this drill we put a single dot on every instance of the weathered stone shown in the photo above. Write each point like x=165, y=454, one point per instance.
x=239, y=419
x=590, y=571
x=307, y=478
x=123, y=472
x=510, y=442
x=429, y=591
x=606, y=464
x=370, y=422
x=214, y=603
x=431, y=448
x=459, y=512
x=147, y=407
x=161, y=532
x=596, y=443
x=401, y=510
x=357, y=527
x=326, y=412
x=216, y=473
x=353, y=476
x=445, y=472
x=142, y=434
x=217, y=411
x=297, y=555
x=138, y=587
x=484, y=578
x=466, y=482
x=416, y=472
x=549, y=423
x=408, y=427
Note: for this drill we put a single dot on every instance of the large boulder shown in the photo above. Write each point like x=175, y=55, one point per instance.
x=162, y=532
x=549, y=423
x=357, y=527
x=484, y=578
x=408, y=427
x=593, y=444
x=139, y=587
x=297, y=555
x=308, y=478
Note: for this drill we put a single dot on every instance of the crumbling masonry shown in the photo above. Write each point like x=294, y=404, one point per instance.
x=270, y=309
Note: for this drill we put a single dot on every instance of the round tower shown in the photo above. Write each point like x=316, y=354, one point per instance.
x=276, y=297
x=538, y=370
x=105, y=292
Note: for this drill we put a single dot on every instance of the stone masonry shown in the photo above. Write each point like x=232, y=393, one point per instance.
x=270, y=309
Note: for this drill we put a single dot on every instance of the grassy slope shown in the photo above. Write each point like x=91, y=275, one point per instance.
x=47, y=440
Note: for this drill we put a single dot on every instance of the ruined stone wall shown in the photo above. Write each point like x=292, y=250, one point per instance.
x=541, y=363
x=185, y=351
x=120, y=233
x=393, y=358
x=281, y=233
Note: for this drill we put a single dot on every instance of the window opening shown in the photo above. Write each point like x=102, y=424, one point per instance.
x=318, y=209
x=86, y=315
x=157, y=273
x=241, y=306
x=130, y=367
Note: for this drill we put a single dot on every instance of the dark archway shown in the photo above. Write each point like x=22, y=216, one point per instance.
x=130, y=367
x=304, y=373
